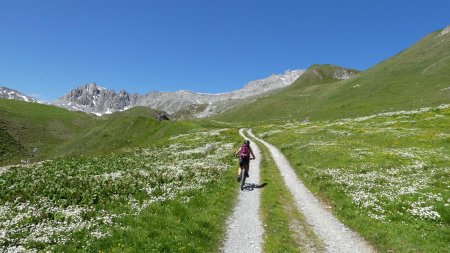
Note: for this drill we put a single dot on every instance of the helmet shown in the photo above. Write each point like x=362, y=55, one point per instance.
x=247, y=142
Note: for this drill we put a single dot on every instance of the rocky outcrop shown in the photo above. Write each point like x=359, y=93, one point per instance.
x=445, y=31
x=321, y=72
x=343, y=73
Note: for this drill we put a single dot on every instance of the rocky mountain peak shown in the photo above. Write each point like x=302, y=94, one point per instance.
x=91, y=88
x=123, y=93
x=93, y=99
x=16, y=95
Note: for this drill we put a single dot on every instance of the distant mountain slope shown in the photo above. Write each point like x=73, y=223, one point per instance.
x=13, y=94
x=289, y=102
x=95, y=99
x=133, y=127
x=417, y=77
x=36, y=129
x=32, y=131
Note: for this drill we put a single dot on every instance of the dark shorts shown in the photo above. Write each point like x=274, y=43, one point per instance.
x=244, y=161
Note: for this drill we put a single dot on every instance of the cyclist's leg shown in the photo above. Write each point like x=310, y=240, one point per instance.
x=241, y=167
x=247, y=168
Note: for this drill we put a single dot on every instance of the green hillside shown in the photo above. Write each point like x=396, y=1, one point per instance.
x=34, y=129
x=416, y=77
x=36, y=132
x=135, y=127
x=10, y=148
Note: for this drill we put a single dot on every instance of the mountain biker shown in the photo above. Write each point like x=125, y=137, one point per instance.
x=244, y=153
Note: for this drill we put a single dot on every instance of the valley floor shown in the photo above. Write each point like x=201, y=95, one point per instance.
x=385, y=177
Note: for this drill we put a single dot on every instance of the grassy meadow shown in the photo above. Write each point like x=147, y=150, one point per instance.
x=168, y=198
x=387, y=176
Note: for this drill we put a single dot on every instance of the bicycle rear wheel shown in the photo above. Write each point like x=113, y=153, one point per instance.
x=242, y=179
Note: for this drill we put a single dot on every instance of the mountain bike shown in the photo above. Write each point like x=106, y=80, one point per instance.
x=242, y=175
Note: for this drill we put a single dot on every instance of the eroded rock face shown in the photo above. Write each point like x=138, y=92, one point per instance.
x=343, y=74
x=335, y=72
x=95, y=99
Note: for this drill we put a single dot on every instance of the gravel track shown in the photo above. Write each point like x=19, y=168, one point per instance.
x=244, y=226
x=336, y=236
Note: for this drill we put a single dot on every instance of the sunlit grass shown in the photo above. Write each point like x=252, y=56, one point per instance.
x=387, y=175
x=79, y=203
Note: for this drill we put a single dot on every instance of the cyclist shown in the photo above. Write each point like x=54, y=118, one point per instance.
x=244, y=153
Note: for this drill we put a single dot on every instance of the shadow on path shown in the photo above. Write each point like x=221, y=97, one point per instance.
x=251, y=187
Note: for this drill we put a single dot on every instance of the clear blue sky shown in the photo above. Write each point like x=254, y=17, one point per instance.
x=49, y=47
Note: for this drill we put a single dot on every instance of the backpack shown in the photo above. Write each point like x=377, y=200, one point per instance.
x=245, y=151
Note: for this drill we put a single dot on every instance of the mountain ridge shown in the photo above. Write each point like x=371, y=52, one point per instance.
x=16, y=95
x=95, y=99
